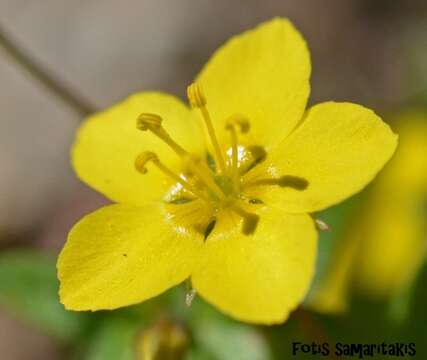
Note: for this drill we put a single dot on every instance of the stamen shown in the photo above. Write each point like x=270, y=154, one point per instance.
x=231, y=125
x=147, y=121
x=197, y=100
x=153, y=123
x=147, y=156
x=250, y=221
x=195, y=95
x=142, y=160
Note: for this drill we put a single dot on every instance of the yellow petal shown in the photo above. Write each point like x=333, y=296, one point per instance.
x=108, y=143
x=122, y=255
x=258, y=278
x=338, y=150
x=262, y=74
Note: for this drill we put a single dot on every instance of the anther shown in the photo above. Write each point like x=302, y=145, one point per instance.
x=195, y=95
x=198, y=100
x=147, y=121
x=142, y=160
x=147, y=156
x=153, y=122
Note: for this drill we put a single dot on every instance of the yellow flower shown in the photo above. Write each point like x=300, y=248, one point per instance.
x=386, y=245
x=227, y=208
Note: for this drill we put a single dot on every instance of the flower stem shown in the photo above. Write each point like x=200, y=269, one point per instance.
x=54, y=85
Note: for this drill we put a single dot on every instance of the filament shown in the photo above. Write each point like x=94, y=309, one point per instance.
x=153, y=123
x=145, y=157
x=198, y=100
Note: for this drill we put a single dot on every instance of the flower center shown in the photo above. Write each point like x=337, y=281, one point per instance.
x=215, y=181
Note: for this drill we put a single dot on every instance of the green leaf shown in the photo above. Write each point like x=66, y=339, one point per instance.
x=415, y=328
x=223, y=338
x=281, y=339
x=29, y=288
x=114, y=340
x=337, y=217
x=199, y=354
x=215, y=336
x=367, y=322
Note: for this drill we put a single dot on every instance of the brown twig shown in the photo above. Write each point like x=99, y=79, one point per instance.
x=54, y=85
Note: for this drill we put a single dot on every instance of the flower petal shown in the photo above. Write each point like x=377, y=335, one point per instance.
x=258, y=278
x=108, y=143
x=337, y=150
x=122, y=255
x=263, y=74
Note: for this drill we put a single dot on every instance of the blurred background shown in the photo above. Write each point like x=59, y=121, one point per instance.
x=371, y=280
